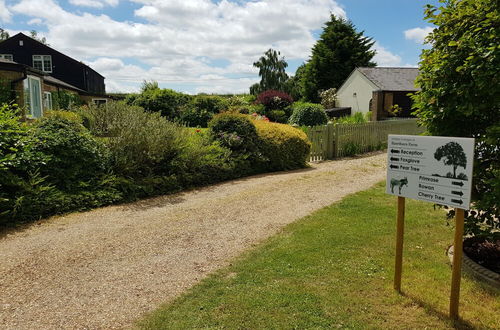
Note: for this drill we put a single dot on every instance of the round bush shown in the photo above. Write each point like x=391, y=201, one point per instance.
x=282, y=146
x=226, y=127
x=308, y=114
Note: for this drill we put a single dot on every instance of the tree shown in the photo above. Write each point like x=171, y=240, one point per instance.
x=34, y=35
x=452, y=154
x=460, y=94
x=339, y=50
x=4, y=35
x=271, y=71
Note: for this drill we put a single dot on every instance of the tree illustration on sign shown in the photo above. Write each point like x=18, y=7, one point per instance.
x=452, y=154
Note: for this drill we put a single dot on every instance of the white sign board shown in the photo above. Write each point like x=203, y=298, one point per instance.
x=431, y=168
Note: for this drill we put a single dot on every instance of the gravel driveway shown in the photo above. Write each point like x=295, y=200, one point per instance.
x=107, y=267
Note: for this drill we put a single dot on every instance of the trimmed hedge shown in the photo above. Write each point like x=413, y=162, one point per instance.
x=283, y=147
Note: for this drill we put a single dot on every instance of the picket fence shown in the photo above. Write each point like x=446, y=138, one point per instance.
x=337, y=140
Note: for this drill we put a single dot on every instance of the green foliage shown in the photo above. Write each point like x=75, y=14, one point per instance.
x=460, y=94
x=272, y=72
x=165, y=101
x=201, y=110
x=5, y=91
x=339, y=50
x=64, y=100
x=278, y=116
x=356, y=118
x=70, y=154
x=237, y=124
x=4, y=35
x=203, y=161
x=282, y=147
x=141, y=143
x=307, y=114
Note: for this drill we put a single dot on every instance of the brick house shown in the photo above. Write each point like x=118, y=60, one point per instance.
x=36, y=74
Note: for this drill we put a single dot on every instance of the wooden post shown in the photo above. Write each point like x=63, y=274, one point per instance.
x=399, y=243
x=457, y=263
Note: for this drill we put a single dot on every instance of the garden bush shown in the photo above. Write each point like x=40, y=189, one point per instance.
x=141, y=143
x=307, y=114
x=274, y=100
x=203, y=161
x=234, y=131
x=65, y=153
x=283, y=147
x=201, y=110
x=165, y=101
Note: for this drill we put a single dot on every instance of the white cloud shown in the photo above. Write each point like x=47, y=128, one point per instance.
x=5, y=14
x=418, y=34
x=177, y=40
x=94, y=3
x=384, y=57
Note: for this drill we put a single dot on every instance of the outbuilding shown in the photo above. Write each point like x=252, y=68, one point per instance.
x=380, y=90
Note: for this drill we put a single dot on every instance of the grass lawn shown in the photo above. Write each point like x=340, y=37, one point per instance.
x=334, y=269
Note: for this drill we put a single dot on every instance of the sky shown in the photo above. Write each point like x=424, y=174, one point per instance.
x=208, y=46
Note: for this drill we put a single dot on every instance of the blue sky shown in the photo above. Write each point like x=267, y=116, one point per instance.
x=208, y=46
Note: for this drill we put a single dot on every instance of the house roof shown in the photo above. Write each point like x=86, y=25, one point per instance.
x=55, y=81
x=391, y=78
x=22, y=35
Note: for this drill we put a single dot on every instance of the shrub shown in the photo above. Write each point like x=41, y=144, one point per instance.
x=278, y=116
x=141, y=143
x=165, y=101
x=202, y=161
x=66, y=115
x=283, y=147
x=307, y=114
x=66, y=100
x=459, y=95
x=65, y=153
x=328, y=98
x=237, y=125
x=193, y=117
x=210, y=103
x=356, y=118
x=274, y=100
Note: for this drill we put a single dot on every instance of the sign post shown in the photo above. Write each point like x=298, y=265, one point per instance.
x=433, y=169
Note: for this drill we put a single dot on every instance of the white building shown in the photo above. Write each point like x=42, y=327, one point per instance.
x=377, y=89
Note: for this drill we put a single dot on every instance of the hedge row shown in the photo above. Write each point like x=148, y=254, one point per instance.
x=103, y=155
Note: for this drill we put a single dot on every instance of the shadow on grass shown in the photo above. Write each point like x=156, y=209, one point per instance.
x=430, y=309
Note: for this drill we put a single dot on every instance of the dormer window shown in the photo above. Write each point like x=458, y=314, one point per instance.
x=42, y=62
x=7, y=57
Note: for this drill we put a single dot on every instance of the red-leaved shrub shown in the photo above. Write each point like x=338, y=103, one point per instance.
x=274, y=100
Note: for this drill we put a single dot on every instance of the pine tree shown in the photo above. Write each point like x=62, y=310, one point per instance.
x=339, y=50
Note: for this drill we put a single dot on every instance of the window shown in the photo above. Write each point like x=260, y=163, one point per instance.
x=8, y=57
x=99, y=102
x=47, y=100
x=42, y=62
x=33, y=96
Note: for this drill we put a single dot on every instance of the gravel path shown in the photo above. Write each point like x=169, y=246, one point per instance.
x=107, y=267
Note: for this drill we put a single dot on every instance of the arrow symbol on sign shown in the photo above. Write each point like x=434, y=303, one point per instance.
x=393, y=166
x=457, y=201
x=395, y=151
x=459, y=193
x=459, y=183
x=394, y=159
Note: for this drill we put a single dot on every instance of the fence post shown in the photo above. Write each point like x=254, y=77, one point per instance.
x=335, y=140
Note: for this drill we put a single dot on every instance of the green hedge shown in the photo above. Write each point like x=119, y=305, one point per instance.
x=120, y=153
x=283, y=147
